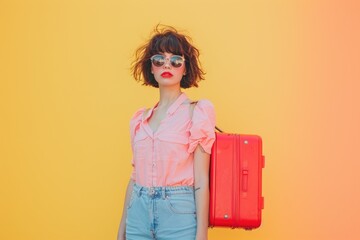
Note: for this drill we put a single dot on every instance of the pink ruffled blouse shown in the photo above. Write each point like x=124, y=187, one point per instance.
x=165, y=157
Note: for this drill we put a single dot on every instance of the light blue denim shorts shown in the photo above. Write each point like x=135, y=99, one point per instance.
x=161, y=213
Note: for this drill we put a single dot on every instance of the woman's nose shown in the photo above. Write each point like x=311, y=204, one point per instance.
x=167, y=63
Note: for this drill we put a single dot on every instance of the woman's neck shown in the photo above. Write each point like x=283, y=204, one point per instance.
x=167, y=97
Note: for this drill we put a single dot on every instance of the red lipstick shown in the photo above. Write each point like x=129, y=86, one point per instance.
x=166, y=74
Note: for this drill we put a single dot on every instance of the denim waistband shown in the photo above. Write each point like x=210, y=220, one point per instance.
x=157, y=192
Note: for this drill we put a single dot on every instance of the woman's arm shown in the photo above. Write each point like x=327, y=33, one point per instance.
x=201, y=171
x=121, y=231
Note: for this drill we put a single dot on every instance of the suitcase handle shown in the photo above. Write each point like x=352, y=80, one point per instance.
x=244, y=178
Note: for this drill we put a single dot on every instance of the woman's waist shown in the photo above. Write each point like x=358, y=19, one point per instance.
x=162, y=191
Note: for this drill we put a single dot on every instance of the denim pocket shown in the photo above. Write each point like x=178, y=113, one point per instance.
x=132, y=199
x=183, y=203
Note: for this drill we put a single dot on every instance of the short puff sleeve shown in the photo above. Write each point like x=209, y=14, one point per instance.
x=202, y=130
x=134, y=125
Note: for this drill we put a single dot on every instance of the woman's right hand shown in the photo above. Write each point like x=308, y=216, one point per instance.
x=122, y=228
x=121, y=236
x=121, y=232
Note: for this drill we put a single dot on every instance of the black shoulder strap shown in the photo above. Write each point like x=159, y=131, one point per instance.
x=192, y=107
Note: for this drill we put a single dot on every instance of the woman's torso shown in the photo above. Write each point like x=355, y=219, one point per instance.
x=163, y=152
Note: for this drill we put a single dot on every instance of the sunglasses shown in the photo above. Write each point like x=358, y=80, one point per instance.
x=175, y=60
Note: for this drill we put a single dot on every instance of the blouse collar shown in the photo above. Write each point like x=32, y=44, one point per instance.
x=172, y=109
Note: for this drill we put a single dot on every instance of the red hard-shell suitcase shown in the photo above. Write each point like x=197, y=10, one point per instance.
x=236, y=164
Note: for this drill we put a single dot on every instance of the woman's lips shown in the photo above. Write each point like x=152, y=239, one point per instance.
x=166, y=75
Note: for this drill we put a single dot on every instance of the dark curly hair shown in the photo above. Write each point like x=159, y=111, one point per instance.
x=167, y=39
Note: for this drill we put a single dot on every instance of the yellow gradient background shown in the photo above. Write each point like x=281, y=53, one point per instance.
x=286, y=70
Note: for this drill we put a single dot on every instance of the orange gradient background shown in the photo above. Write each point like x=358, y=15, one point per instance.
x=286, y=70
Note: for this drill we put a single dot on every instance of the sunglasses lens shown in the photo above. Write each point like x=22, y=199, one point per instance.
x=176, y=61
x=158, y=60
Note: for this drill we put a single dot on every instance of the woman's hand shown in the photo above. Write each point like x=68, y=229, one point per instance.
x=121, y=237
x=122, y=228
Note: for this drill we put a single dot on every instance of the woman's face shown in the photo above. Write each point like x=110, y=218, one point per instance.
x=168, y=75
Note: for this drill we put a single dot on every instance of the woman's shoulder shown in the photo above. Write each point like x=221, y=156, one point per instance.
x=137, y=116
x=136, y=119
x=203, y=105
x=203, y=109
x=138, y=112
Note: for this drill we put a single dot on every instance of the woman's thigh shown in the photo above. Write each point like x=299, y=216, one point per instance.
x=176, y=217
x=137, y=220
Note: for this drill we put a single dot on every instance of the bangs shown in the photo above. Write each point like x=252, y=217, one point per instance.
x=167, y=43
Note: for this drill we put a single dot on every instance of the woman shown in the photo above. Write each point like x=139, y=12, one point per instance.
x=167, y=195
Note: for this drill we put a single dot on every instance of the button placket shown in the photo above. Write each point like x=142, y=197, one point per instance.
x=154, y=157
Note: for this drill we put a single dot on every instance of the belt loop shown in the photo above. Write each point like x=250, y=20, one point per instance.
x=163, y=193
x=139, y=191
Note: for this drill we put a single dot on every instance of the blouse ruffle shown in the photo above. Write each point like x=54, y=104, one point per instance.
x=134, y=126
x=135, y=123
x=202, y=130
